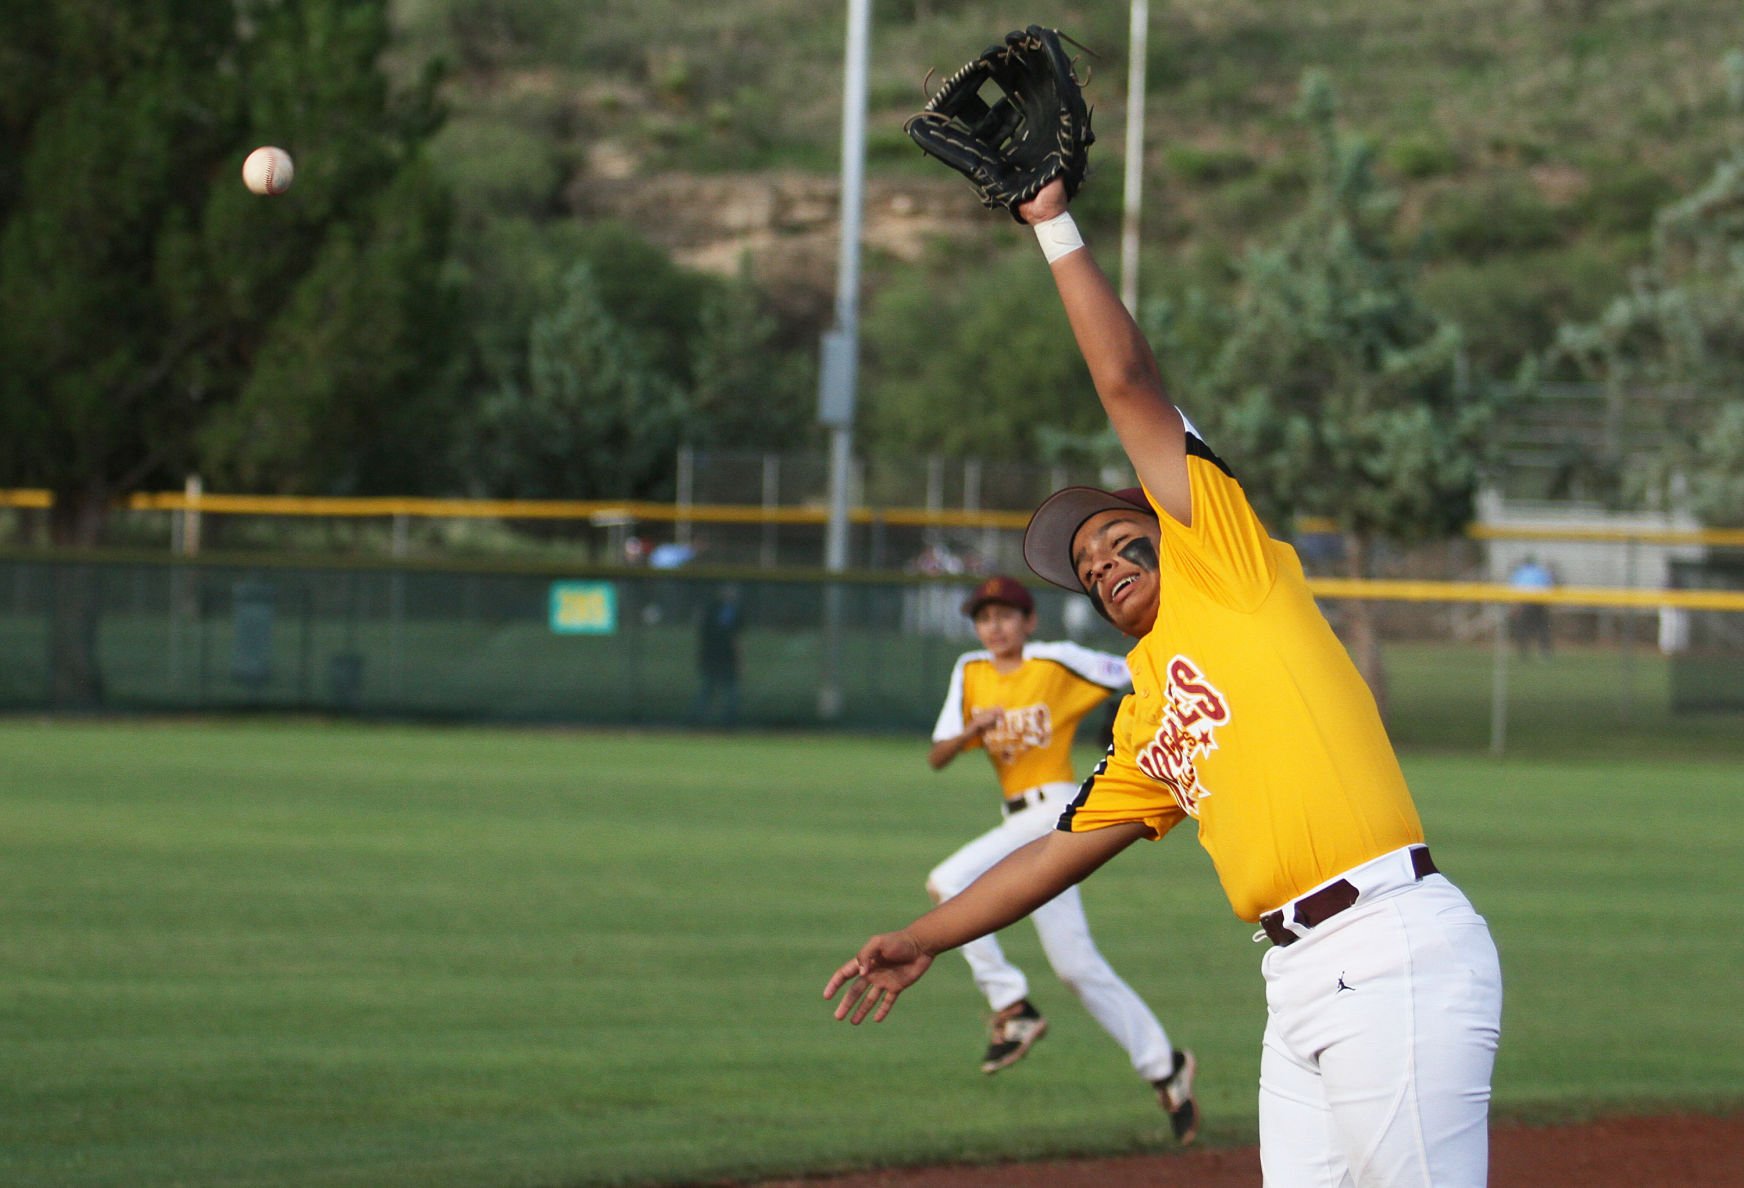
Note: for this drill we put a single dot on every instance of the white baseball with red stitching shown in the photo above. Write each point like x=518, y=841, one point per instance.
x=268, y=170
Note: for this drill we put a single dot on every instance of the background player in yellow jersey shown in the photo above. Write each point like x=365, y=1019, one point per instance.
x=1383, y=988
x=1021, y=701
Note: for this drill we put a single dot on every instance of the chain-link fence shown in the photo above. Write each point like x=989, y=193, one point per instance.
x=1706, y=648
x=487, y=644
x=535, y=643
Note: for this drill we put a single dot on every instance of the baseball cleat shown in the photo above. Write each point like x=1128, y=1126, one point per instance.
x=1175, y=1095
x=1015, y=1031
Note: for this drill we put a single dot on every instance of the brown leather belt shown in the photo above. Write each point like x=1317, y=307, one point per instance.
x=1322, y=905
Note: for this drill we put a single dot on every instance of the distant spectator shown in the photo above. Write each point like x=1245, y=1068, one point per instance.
x=1321, y=551
x=936, y=559
x=671, y=555
x=717, y=658
x=1532, y=619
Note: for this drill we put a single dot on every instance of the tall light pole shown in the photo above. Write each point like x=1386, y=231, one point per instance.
x=839, y=367
x=1135, y=108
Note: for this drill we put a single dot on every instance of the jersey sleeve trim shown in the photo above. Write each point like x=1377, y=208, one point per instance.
x=1196, y=448
x=1081, y=816
x=1102, y=669
x=950, y=721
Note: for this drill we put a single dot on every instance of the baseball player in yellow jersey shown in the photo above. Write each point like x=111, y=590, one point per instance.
x=1021, y=701
x=1383, y=989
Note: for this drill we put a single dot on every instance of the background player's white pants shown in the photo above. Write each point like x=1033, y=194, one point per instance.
x=1381, y=1033
x=1065, y=937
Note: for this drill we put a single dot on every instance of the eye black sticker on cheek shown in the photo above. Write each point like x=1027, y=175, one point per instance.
x=1141, y=553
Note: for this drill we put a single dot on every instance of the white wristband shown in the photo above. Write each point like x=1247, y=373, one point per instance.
x=1058, y=236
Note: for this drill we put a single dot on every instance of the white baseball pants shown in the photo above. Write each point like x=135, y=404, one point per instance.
x=1065, y=937
x=1381, y=1033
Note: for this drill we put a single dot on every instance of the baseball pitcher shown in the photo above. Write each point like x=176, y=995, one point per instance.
x=1249, y=721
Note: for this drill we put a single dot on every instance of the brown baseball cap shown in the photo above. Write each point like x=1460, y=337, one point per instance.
x=1001, y=589
x=1047, y=542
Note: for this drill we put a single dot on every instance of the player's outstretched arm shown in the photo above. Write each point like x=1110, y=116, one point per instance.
x=891, y=962
x=1122, y=366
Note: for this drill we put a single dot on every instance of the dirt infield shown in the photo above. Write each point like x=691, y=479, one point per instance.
x=1682, y=1151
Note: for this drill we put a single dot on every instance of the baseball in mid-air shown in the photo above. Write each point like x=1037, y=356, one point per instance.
x=268, y=170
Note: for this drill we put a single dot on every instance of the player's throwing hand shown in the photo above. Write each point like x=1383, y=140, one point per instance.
x=983, y=720
x=884, y=967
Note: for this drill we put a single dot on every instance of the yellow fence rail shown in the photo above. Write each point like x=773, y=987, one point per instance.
x=596, y=511
x=1381, y=590
x=618, y=510
x=632, y=511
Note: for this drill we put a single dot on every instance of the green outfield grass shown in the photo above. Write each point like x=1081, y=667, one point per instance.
x=305, y=954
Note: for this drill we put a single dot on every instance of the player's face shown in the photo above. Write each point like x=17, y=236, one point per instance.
x=1115, y=555
x=1003, y=630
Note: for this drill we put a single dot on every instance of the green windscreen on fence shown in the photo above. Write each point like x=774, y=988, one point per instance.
x=647, y=647
x=1706, y=647
x=623, y=647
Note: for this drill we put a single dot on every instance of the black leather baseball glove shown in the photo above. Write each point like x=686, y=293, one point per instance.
x=1035, y=129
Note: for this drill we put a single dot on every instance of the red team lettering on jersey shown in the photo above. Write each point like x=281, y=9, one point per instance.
x=1193, y=709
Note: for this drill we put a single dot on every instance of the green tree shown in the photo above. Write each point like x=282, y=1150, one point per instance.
x=590, y=415
x=984, y=369
x=1334, y=391
x=1677, y=338
x=716, y=347
x=154, y=315
x=355, y=383
x=749, y=390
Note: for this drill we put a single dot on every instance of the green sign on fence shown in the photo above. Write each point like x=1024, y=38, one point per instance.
x=584, y=608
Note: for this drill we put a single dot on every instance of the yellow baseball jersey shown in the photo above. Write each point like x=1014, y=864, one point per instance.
x=1248, y=715
x=1043, y=700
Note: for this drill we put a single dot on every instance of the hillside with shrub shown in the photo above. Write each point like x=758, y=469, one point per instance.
x=1529, y=141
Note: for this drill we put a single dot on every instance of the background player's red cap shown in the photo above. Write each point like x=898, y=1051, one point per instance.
x=1047, y=542
x=1001, y=589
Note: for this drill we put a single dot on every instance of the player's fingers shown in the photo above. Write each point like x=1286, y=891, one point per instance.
x=877, y=997
x=851, y=969
x=852, y=1000
x=884, y=1006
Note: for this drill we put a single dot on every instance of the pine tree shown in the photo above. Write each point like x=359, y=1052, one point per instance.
x=1335, y=392
x=155, y=317
x=1678, y=338
x=593, y=416
x=142, y=288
